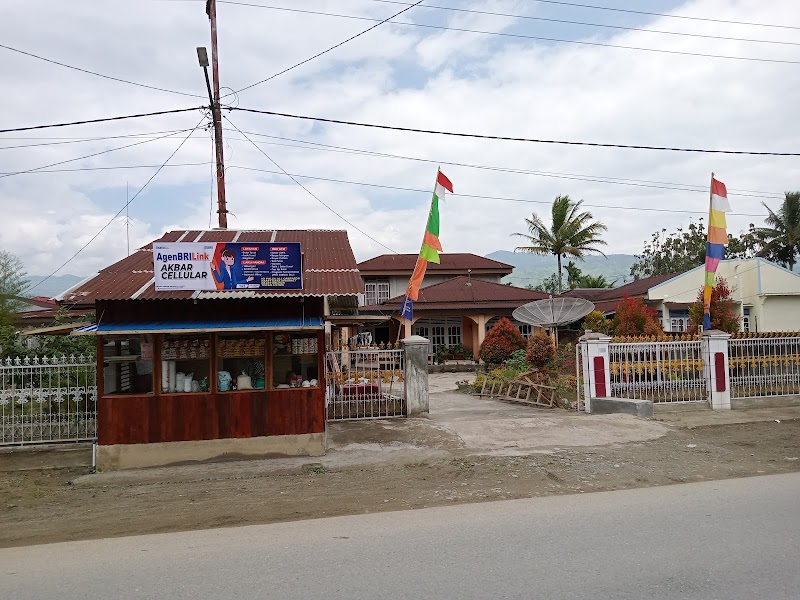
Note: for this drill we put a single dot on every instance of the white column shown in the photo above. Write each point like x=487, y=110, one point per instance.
x=596, y=372
x=415, y=376
x=715, y=369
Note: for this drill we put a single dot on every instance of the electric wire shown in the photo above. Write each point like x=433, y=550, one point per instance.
x=310, y=193
x=119, y=212
x=87, y=71
x=103, y=120
x=62, y=162
x=684, y=187
x=516, y=36
x=88, y=139
x=113, y=168
x=482, y=197
x=602, y=25
x=342, y=43
x=508, y=138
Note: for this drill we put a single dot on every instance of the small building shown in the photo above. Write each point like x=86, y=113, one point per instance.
x=457, y=311
x=191, y=375
x=766, y=295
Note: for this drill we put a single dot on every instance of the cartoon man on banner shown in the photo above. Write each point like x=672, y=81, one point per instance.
x=228, y=274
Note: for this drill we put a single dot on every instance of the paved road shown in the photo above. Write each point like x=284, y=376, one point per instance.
x=736, y=539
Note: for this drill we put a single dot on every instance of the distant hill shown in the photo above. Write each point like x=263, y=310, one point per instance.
x=52, y=287
x=530, y=269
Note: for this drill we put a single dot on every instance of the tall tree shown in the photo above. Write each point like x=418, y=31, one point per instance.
x=685, y=249
x=571, y=233
x=12, y=284
x=781, y=238
x=594, y=281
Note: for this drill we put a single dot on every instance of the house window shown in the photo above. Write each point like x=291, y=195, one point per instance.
x=376, y=292
x=453, y=335
x=525, y=329
x=678, y=320
x=746, y=320
x=442, y=332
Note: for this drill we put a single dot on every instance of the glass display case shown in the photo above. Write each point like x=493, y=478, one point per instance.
x=241, y=362
x=295, y=360
x=185, y=363
x=128, y=365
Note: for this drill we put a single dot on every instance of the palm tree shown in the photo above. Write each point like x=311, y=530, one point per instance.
x=595, y=281
x=572, y=233
x=781, y=239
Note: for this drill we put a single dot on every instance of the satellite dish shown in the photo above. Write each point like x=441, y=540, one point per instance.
x=553, y=311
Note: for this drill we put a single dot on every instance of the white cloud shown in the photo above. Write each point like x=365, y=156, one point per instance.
x=396, y=75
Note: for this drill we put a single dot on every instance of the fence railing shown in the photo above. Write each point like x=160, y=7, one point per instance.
x=48, y=400
x=764, y=366
x=364, y=383
x=658, y=371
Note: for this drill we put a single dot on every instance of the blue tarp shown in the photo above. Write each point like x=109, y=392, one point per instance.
x=193, y=326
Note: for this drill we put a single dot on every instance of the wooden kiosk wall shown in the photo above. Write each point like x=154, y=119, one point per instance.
x=165, y=417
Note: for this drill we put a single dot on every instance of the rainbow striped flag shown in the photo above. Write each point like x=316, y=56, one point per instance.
x=431, y=246
x=716, y=242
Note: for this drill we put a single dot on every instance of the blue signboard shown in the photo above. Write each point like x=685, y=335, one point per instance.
x=228, y=266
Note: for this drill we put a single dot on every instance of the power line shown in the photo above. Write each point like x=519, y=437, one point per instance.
x=510, y=139
x=85, y=140
x=310, y=193
x=104, y=120
x=480, y=197
x=519, y=35
x=351, y=38
x=652, y=14
x=584, y=23
x=114, y=168
x=74, y=68
x=119, y=212
x=62, y=162
x=569, y=176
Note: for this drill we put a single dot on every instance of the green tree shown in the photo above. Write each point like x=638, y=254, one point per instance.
x=594, y=281
x=596, y=321
x=574, y=275
x=724, y=315
x=571, y=233
x=781, y=238
x=12, y=285
x=549, y=285
x=685, y=249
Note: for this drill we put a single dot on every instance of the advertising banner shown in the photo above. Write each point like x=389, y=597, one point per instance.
x=209, y=266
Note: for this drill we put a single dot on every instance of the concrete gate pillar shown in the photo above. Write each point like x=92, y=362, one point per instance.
x=715, y=369
x=596, y=372
x=415, y=375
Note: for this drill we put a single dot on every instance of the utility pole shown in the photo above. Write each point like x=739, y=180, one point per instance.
x=216, y=112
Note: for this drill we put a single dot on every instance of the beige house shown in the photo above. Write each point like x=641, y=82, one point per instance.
x=766, y=294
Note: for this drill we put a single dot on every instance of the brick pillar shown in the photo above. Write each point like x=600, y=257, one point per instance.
x=596, y=372
x=715, y=369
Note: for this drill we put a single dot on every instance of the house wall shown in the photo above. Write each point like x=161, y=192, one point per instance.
x=399, y=283
x=770, y=292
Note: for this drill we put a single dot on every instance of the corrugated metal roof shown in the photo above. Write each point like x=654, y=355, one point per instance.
x=182, y=326
x=450, y=262
x=464, y=293
x=329, y=268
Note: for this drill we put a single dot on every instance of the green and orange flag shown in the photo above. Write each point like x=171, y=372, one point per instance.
x=431, y=246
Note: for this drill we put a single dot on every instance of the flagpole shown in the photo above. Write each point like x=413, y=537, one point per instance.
x=419, y=256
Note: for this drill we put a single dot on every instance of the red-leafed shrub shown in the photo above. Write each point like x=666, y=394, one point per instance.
x=500, y=342
x=634, y=317
x=541, y=352
x=724, y=315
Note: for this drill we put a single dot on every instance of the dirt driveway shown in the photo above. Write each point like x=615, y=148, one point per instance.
x=469, y=450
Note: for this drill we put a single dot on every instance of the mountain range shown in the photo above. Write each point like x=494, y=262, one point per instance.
x=52, y=287
x=531, y=269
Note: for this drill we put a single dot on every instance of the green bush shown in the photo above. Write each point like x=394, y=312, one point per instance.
x=517, y=361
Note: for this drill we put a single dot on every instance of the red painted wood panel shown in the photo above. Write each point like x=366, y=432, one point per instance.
x=719, y=370
x=599, y=365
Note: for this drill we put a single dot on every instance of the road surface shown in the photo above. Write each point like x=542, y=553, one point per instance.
x=734, y=539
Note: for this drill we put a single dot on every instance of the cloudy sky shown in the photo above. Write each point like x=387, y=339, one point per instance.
x=433, y=77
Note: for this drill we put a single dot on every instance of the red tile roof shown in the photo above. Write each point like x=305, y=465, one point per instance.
x=329, y=267
x=606, y=299
x=463, y=293
x=454, y=263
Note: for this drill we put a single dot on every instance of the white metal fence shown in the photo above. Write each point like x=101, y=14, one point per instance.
x=658, y=371
x=364, y=383
x=764, y=366
x=48, y=400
